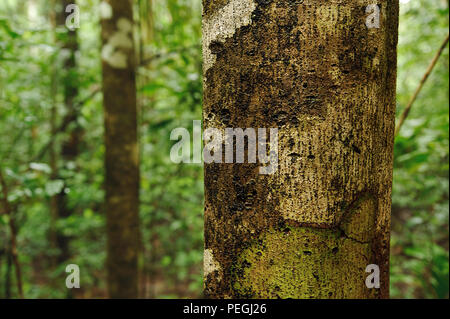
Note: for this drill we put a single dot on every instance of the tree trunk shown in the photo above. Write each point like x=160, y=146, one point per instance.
x=8, y=274
x=121, y=154
x=315, y=71
x=9, y=211
x=70, y=145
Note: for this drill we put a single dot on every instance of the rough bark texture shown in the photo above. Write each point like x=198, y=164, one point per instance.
x=312, y=69
x=121, y=158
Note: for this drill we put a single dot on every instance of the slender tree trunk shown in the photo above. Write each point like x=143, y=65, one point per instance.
x=8, y=274
x=2, y=253
x=54, y=211
x=121, y=154
x=145, y=39
x=70, y=145
x=315, y=71
x=145, y=27
x=52, y=150
x=13, y=237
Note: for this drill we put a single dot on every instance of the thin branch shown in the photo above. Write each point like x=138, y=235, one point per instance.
x=13, y=231
x=159, y=55
x=422, y=82
x=13, y=145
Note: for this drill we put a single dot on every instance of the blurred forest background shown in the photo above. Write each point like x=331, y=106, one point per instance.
x=33, y=126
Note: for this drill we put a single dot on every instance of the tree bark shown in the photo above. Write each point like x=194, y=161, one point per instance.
x=121, y=153
x=315, y=71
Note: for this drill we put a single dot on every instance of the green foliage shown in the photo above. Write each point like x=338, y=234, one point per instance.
x=419, y=245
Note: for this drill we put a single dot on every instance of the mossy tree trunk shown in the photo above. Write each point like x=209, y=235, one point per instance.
x=315, y=71
x=121, y=148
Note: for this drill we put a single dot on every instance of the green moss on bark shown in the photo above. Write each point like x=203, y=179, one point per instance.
x=302, y=262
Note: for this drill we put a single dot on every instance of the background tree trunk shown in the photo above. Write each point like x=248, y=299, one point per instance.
x=70, y=144
x=13, y=230
x=315, y=71
x=121, y=155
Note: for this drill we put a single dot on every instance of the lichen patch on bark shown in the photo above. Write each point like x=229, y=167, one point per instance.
x=209, y=263
x=116, y=51
x=222, y=24
x=105, y=9
x=303, y=263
